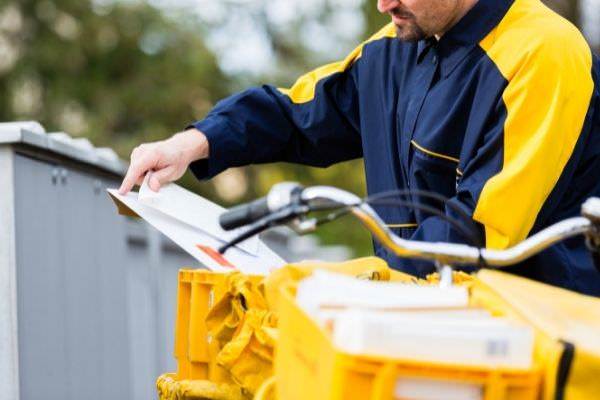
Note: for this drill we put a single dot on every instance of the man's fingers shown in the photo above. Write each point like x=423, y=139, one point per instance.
x=160, y=177
x=136, y=171
x=130, y=179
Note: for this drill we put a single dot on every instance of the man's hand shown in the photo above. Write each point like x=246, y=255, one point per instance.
x=167, y=158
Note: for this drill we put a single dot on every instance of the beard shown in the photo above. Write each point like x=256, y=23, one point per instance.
x=407, y=28
x=410, y=31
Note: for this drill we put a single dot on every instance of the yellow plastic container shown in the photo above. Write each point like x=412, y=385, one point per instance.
x=308, y=366
x=195, y=352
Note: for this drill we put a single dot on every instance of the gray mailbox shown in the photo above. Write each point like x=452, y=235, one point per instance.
x=87, y=297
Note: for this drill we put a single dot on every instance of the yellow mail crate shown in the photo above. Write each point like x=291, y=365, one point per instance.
x=195, y=352
x=308, y=366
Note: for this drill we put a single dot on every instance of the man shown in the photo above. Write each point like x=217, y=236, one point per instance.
x=492, y=103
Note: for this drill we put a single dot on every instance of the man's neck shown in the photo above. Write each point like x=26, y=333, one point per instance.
x=462, y=8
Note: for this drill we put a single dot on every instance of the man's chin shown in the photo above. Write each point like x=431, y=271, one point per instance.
x=409, y=33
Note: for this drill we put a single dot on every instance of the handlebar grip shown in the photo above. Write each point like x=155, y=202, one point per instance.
x=244, y=214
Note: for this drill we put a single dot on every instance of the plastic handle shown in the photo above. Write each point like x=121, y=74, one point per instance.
x=244, y=214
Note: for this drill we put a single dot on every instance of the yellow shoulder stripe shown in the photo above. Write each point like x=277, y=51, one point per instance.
x=303, y=90
x=547, y=64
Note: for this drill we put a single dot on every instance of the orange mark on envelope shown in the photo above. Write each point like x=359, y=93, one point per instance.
x=215, y=255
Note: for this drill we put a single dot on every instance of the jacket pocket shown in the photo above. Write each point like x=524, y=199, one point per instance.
x=432, y=170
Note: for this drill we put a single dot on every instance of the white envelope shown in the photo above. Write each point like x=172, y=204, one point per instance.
x=192, y=223
x=188, y=207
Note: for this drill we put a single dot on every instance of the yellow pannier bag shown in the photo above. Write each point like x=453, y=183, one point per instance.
x=566, y=324
x=244, y=320
x=226, y=352
x=225, y=317
x=240, y=323
x=169, y=388
x=249, y=355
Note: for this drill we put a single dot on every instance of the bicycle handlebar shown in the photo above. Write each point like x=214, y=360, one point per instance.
x=453, y=253
x=325, y=197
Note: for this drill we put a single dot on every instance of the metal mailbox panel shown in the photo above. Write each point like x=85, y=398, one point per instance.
x=96, y=291
x=41, y=295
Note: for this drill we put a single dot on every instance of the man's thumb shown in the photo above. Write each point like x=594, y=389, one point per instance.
x=160, y=177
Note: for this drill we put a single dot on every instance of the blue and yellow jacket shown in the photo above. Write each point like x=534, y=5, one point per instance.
x=502, y=115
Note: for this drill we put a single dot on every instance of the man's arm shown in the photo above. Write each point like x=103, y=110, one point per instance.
x=519, y=160
x=266, y=124
x=315, y=122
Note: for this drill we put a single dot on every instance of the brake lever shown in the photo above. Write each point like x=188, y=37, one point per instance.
x=591, y=210
x=592, y=241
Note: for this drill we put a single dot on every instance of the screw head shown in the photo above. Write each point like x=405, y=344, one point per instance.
x=63, y=175
x=97, y=186
x=54, y=175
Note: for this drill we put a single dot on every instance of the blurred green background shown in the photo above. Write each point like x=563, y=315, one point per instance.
x=130, y=71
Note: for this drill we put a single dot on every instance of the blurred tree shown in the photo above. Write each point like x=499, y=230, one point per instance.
x=567, y=8
x=117, y=73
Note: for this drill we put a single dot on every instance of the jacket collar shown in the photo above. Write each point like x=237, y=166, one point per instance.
x=463, y=37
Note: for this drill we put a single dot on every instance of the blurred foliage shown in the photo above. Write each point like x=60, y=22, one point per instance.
x=567, y=8
x=125, y=72
x=118, y=74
